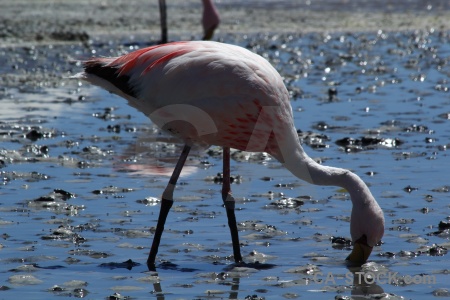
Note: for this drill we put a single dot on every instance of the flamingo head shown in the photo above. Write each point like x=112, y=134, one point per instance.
x=366, y=228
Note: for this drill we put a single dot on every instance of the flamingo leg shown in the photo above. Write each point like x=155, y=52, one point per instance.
x=163, y=20
x=166, y=204
x=229, y=203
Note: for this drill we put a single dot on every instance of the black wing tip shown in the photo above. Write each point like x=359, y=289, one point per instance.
x=96, y=67
x=109, y=73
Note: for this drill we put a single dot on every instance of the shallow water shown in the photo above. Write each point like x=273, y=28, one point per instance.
x=104, y=166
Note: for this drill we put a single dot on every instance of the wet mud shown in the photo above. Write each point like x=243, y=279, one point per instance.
x=82, y=173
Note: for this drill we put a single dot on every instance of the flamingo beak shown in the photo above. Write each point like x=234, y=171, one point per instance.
x=361, y=251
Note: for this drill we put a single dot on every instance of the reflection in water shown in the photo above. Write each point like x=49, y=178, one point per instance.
x=158, y=290
x=364, y=284
x=234, y=292
x=359, y=281
x=234, y=288
x=233, y=271
x=152, y=155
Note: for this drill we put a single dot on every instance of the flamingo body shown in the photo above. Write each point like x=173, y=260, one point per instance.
x=209, y=93
x=229, y=84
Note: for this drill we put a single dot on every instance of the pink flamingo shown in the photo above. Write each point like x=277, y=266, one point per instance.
x=210, y=19
x=209, y=93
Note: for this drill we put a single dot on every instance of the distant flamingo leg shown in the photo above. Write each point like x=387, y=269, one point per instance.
x=229, y=202
x=166, y=204
x=163, y=20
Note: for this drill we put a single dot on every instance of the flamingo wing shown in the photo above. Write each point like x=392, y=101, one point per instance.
x=215, y=82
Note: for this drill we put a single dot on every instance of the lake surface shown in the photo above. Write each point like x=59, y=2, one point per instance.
x=83, y=173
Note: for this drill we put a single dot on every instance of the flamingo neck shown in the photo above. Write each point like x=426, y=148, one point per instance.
x=366, y=218
x=305, y=168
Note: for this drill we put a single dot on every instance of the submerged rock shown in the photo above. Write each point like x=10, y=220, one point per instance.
x=24, y=280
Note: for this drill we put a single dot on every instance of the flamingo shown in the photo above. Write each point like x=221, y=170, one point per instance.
x=210, y=19
x=209, y=93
